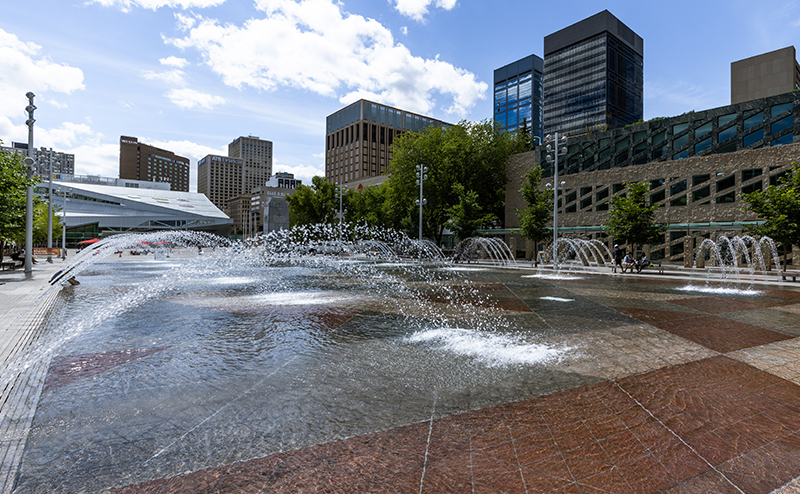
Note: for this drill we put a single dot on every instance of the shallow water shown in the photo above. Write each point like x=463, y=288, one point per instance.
x=165, y=367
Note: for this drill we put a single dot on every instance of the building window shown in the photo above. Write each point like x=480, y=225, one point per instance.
x=702, y=131
x=702, y=193
x=748, y=189
x=751, y=173
x=726, y=119
x=677, y=188
x=658, y=197
x=727, y=198
x=782, y=124
x=751, y=139
x=726, y=183
x=680, y=201
x=787, y=139
x=778, y=109
x=756, y=119
x=702, y=146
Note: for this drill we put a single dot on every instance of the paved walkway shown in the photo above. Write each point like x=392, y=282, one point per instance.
x=693, y=393
x=24, y=305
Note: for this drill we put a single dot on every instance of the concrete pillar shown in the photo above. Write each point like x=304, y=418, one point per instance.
x=530, y=250
x=512, y=244
x=688, y=251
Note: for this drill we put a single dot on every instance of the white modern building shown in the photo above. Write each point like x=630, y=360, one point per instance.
x=95, y=210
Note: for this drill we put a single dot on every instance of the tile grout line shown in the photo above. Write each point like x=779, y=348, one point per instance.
x=427, y=445
x=678, y=437
x=514, y=446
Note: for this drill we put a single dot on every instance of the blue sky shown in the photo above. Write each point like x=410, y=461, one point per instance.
x=192, y=75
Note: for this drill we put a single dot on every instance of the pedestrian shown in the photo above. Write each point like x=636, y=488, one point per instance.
x=628, y=263
x=617, y=257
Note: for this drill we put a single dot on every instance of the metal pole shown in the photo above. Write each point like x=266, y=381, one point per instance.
x=420, y=214
x=64, y=226
x=29, y=191
x=339, y=190
x=555, y=209
x=50, y=205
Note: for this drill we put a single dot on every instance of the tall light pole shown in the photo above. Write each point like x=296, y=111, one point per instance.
x=340, y=188
x=29, y=191
x=64, y=193
x=49, y=155
x=422, y=175
x=554, y=150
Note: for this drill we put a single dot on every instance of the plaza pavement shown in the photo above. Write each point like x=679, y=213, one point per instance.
x=690, y=393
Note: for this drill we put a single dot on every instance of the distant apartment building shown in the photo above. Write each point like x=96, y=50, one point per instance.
x=518, y=95
x=761, y=76
x=359, y=138
x=265, y=208
x=45, y=160
x=139, y=161
x=248, y=165
x=593, y=76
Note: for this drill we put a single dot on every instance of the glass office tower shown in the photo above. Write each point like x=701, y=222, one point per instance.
x=593, y=76
x=518, y=95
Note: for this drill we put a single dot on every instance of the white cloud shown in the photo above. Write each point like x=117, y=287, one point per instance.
x=314, y=45
x=128, y=5
x=404, y=30
x=24, y=69
x=302, y=172
x=416, y=9
x=172, y=61
x=171, y=77
x=189, y=98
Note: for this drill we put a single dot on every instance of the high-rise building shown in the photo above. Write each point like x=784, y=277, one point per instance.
x=593, y=76
x=518, y=95
x=359, y=137
x=248, y=165
x=761, y=76
x=139, y=161
x=43, y=159
x=256, y=156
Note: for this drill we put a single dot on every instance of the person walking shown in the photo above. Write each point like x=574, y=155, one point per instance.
x=618, y=253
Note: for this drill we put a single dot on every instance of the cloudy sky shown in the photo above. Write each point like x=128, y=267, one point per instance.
x=192, y=75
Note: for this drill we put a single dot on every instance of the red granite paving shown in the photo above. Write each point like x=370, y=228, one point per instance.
x=719, y=305
x=714, y=425
x=714, y=332
x=65, y=369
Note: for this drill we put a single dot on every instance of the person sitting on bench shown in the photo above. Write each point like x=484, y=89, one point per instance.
x=643, y=263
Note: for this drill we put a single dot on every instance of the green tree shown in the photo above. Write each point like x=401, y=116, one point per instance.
x=470, y=154
x=317, y=203
x=630, y=220
x=368, y=206
x=467, y=215
x=40, y=222
x=779, y=207
x=13, y=184
x=534, y=219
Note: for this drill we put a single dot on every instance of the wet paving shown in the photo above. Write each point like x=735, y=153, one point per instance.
x=641, y=387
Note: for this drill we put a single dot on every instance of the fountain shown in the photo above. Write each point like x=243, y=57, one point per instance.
x=575, y=254
x=161, y=365
x=490, y=249
x=735, y=257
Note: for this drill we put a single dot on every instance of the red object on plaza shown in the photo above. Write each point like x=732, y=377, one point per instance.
x=90, y=241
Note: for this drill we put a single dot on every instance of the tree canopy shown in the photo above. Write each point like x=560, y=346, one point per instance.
x=779, y=207
x=13, y=184
x=630, y=220
x=534, y=219
x=472, y=154
x=467, y=215
x=317, y=203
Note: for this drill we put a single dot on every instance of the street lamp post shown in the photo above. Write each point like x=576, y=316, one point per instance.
x=49, y=155
x=422, y=175
x=29, y=191
x=554, y=150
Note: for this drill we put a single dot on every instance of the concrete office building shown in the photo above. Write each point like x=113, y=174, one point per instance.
x=62, y=163
x=518, y=95
x=359, y=137
x=139, y=161
x=265, y=209
x=256, y=156
x=593, y=76
x=768, y=74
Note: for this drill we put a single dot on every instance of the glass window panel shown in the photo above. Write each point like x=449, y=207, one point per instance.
x=787, y=139
x=501, y=119
x=500, y=97
x=782, y=124
x=756, y=119
x=602, y=207
x=701, y=146
x=680, y=201
x=572, y=196
x=702, y=131
x=778, y=109
x=602, y=194
x=726, y=119
x=525, y=114
x=658, y=197
x=585, y=190
x=572, y=209
x=659, y=138
x=753, y=138
x=727, y=198
x=726, y=183
x=621, y=146
x=680, y=141
x=701, y=193
x=511, y=119
x=525, y=89
x=659, y=152
x=618, y=187
x=682, y=155
x=586, y=202
x=728, y=133
x=677, y=188
x=678, y=128
x=727, y=148
x=698, y=179
x=676, y=249
x=512, y=94
x=751, y=173
x=638, y=136
x=748, y=189
x=654, y=184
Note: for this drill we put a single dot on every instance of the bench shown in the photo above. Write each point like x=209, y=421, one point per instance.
x=10, y=264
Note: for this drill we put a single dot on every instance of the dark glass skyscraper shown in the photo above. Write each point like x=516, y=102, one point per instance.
x=593, y=76
x=518, y=95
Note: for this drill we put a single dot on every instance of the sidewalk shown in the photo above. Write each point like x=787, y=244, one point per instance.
x=24, y=304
